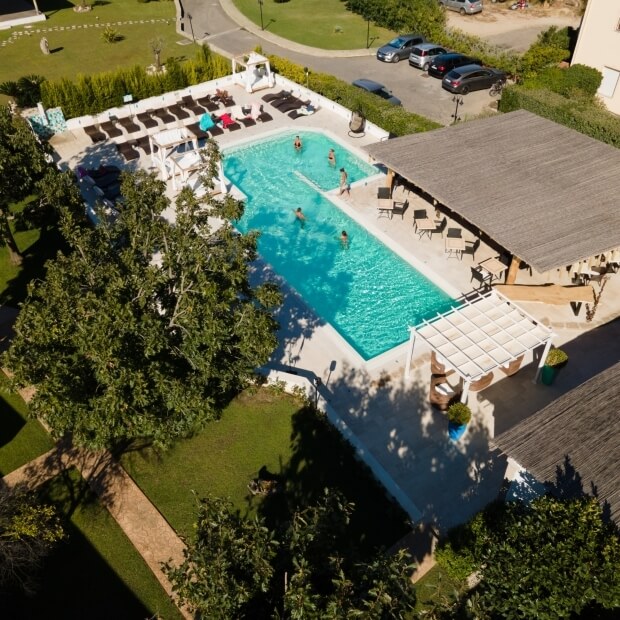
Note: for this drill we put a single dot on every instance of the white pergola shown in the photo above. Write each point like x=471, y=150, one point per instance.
x=165, y=142
x=256, y=73
x=486, y=332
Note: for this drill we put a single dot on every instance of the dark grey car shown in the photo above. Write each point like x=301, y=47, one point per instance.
x=399, y=48
x=471, y=77
x=377, y=89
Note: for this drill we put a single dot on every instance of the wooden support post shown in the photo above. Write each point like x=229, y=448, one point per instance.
x=389, y=179
x=513, y=269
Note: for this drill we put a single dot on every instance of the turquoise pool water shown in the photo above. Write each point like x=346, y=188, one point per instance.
x=365, y=291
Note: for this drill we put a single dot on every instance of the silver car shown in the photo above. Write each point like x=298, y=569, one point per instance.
x=464, y=7
x=423, y=55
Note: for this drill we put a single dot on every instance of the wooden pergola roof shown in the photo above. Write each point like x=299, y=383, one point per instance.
x=542, y=191
x=581, y=426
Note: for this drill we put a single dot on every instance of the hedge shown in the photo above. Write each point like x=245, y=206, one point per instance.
x=587, y=118
x=91, y=94
x=394, y=119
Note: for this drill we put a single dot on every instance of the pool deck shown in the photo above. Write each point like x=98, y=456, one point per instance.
x=447, y=482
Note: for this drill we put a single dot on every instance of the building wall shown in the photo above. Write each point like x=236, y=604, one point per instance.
x=598, y=46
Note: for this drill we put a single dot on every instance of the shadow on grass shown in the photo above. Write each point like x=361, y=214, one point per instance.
x=12, y=422
x=32, y=267
x=75, y=580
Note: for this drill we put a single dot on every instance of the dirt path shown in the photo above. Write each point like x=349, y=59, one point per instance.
x=141, y=522
x=515, y=30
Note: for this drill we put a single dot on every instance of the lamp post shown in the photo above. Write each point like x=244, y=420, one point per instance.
x=260, y=6
x=307, y=72
x=367, y=33
x=191, y=27
x=458, y=101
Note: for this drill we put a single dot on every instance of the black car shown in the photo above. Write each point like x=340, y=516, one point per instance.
x=399, y=48
x=471, y=77
x=444, y=63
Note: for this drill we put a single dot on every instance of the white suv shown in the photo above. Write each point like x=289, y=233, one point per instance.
x=468, y=7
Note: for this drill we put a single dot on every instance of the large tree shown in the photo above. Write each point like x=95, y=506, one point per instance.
x=28, y=531
x=144, y=328
x=23, y=161
x=239, y=568
x=548, y=560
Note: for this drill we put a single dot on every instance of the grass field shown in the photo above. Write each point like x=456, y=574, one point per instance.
x=272, y=432
x=82, y=50
x=333, y=27
x=21, y=439
x=95, y=573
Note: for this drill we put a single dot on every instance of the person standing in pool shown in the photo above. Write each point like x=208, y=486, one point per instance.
x=344, y=182
x=344, y=239
x=300, y=216
x=297, y=143
x=331, y=157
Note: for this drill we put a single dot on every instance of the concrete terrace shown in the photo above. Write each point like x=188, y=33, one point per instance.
x=391, y=417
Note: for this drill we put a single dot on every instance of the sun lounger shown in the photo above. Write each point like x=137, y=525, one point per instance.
x=128, y=125
x=144, y=144
x=197, y=132
x=189, y=104
x=164, y=115
x=178, y=111
x=273, y=96
x=111, y=129
x=127, y=151
x=247, y=122
x=147, y=120
x=280, y=103
x=264, y=117
x=208, y=103
x=293, y=105
x=94, y=134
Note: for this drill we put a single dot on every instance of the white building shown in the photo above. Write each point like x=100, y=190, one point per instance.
x=598, y=46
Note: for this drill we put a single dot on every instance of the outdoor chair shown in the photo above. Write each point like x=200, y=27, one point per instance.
x=471, y=247
x=147, y=120
x=127, y=151
x=164, y=116
x=384, y=198
x=178, y=111
x=437, y=367
x=247, y=121
x=357, y=125
x=482, y=383
x=399, y=208
x=264, y=117
x=442, y=394
x=512, y=367
x=418, y=214
x=197, y=131
x=481, y=277
x=441, y=226
x=94, y=133
x=274, y=96
x=144, y=144
x=454, y=233
x=208, y=103
x=129, y=125
x=189, y=104
x=111, y=129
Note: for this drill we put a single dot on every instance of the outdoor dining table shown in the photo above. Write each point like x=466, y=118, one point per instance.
x=455, y=246
x=425, y=226
x=494, y=267
x=184, y=164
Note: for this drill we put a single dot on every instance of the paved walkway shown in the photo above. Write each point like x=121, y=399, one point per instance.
x=142, y=523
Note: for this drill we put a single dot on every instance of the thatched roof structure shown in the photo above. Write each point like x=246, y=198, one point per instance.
x=581, y=427
x=545, y=193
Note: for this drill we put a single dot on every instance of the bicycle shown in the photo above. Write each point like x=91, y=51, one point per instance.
x=497, y=88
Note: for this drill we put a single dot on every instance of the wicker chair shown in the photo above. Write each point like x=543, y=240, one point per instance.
x=442, y=394
x=437, y=368
x=512, y=367
x=482, y=383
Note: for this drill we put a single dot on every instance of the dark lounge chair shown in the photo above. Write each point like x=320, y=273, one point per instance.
x=273, y=96
x=128, y=124
x=127, y=151
x=144, y=144
x=189, y=104
x=264, y=117
x=247, y=121
x=178, y=111
x=147, y=120
x=208, y=103
x=195, y=130
x=111, y=129
x=95, y=134
x=164, y=115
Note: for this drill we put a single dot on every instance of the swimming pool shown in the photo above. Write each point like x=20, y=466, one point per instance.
x=368, y=293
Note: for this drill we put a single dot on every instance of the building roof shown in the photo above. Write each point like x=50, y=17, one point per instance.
x=581, y=426
x=483, y=333
x=544, y=192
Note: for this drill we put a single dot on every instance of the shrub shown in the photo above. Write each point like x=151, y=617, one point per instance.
x=556, y=357
x=110, y=35
x=588, y=118
x=459, y=413
x=582, y=79
x=26, y=91
x=457, y=564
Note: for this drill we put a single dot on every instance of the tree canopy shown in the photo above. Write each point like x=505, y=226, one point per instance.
x=239, y=568
x=23, y=161
x=144, y=328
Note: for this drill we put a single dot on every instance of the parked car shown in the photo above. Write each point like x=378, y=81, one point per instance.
x=377, y=89
x=464, y=7
x=399, y=48
x=422, y=55
x=444, y=63
x=471, y=77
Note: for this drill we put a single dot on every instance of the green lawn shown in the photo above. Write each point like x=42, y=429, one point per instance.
x=95, y=573
x=265, y=430
x=333, y=27
x=21, y=438
x=434, y=588
x=82, y=50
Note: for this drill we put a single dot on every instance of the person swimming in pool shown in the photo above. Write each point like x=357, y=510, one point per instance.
x=331, y=157
x=299, y=214
x=344, y=239
x=297, y=143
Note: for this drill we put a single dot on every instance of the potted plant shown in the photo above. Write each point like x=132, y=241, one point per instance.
x=556, y=360
x=459, y=415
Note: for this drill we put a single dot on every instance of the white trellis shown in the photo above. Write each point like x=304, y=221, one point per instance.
x=253, y=72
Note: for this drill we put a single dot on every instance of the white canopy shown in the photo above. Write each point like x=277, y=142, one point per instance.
x=255, y=72
x=485, y=332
